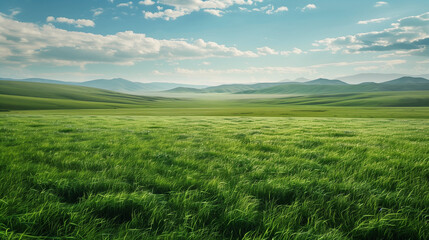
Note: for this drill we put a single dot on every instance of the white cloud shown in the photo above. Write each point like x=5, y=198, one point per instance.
x=14, y=12
x=126, y=4
x=243, y=9
x=409, y=33
x=97, y=11
x=76, y=22
x=215, y=12
x=380, y=4
x=268, y=9
x=184, y=7
x=159, y=8
x=309, y=7
x=263, y=51
x=375, y=20
x=147, y=2
x=27, y=43
x=296, y=51
x=168, y=14
x=281, y=9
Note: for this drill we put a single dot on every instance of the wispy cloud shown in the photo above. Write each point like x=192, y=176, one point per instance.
x=268, y=9
x=265, y=51
x=380, y=4
x=310, y=6
x=294, y=51
x=14, y=12
x=125, y=4
x=76, y=22
x=97, y=11
x=281, y=9
x=375, y=20
x=215, y=12
x=185, y=7
x=147, y=2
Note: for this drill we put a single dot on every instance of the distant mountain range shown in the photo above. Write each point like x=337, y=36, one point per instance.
x=318, y=86
x=116, y=84
x=374, y=77
x=303, y=86
x=364, y=77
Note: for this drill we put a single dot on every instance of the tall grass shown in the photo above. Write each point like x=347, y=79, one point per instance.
x=105, y=177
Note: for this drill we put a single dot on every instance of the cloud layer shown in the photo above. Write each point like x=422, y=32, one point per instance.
x=375, y=20
x=76, y=22
x=27, y=43
x=407, y=34
x=179, y=8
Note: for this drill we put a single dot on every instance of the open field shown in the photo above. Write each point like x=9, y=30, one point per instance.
x=18, y=97
x=36, y=96
x=214, y=120
x=137, y=177
x=85, y=163
x=285, y=111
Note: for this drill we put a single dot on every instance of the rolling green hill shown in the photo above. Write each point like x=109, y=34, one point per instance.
x=232, y=88
x=126, y=86
x=184, y=90
x=324, y=81
x=317, y=86
x=239, y=88
x=43, y=96
x=226, y=88
x=407, y=80
x=376, y=99
x=115, y=84
x=311, y=89
x=401, y=84
x=31, y=95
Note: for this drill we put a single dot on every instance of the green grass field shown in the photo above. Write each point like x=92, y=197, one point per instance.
x=26, y=97
x=85, y=163
x=136, y=177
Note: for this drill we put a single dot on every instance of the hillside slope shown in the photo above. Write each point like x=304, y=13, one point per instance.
x=32, y=95
x=115, y=84
x=400, y=84
x=407, y=80
x=226, y=88
x=375, y=99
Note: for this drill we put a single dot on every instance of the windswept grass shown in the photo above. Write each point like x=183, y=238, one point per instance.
x=129, y=177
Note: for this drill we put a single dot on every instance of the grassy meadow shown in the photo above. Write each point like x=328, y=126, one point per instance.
x=83, y=176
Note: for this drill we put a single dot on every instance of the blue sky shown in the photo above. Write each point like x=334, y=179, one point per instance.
x=211, y=41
